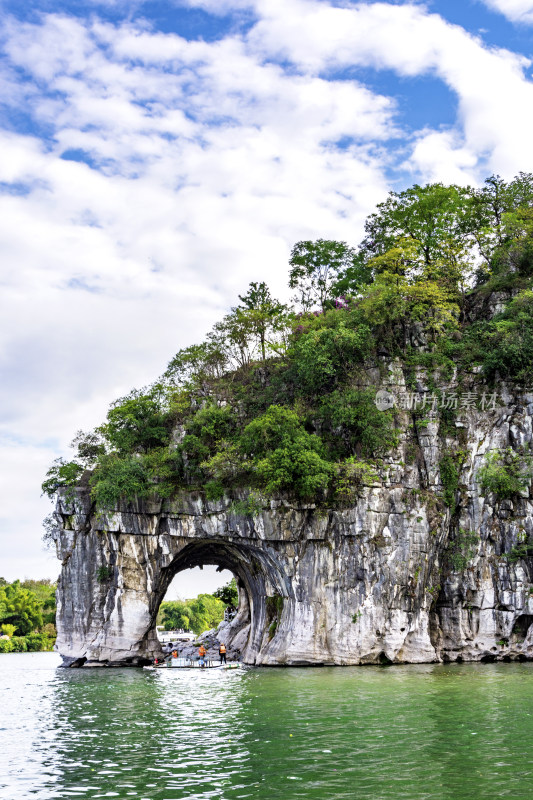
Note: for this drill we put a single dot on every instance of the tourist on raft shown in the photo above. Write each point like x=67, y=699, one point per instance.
x=202, y=652
x=173, y=654
x=222, y=653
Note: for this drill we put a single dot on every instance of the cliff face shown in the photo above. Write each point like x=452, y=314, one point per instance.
x=399, y=576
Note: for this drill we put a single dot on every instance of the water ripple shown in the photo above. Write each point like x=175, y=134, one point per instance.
x=415, y=732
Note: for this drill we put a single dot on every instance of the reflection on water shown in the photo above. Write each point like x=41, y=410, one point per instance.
x=416, y=732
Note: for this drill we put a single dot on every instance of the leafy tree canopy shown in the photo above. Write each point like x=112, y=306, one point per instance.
x=503, y=345
x=434, y=217
x=198, y=615
x=323, y=357
x=506, y=473
x=197, y=366
x=490, y=206
x=286, y=456
x=264, y=316
x=317, y=267
x=138, y=422
x=61, y=474
x=229, y=594
x=20, y=607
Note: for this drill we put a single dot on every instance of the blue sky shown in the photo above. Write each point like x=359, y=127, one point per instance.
x=156, y=157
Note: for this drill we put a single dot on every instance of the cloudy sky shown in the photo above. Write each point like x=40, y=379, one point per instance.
x=156, y=157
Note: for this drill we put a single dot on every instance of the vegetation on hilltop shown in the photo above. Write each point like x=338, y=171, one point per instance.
x=277, y=398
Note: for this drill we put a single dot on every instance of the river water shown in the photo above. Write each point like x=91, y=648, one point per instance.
x=410, y=732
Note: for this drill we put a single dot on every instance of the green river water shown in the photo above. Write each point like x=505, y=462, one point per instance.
x=424, y=732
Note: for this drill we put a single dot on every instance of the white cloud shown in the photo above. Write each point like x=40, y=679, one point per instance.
x=208, y=165
x=515, y=10
x=495, y=110
x=441, y=156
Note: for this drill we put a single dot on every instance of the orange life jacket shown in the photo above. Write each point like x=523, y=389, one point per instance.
x=202, y=651
x=222, y=648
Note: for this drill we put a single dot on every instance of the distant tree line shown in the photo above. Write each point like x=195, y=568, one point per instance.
x=27, y=615
x=201, y=613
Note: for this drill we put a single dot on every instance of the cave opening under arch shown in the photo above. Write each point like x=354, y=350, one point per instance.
x=258, y=578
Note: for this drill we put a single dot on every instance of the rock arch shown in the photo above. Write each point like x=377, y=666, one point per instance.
x=117, y=567
x=259, y=577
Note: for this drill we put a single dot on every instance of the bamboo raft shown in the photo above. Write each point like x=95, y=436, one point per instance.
x=189, y=663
